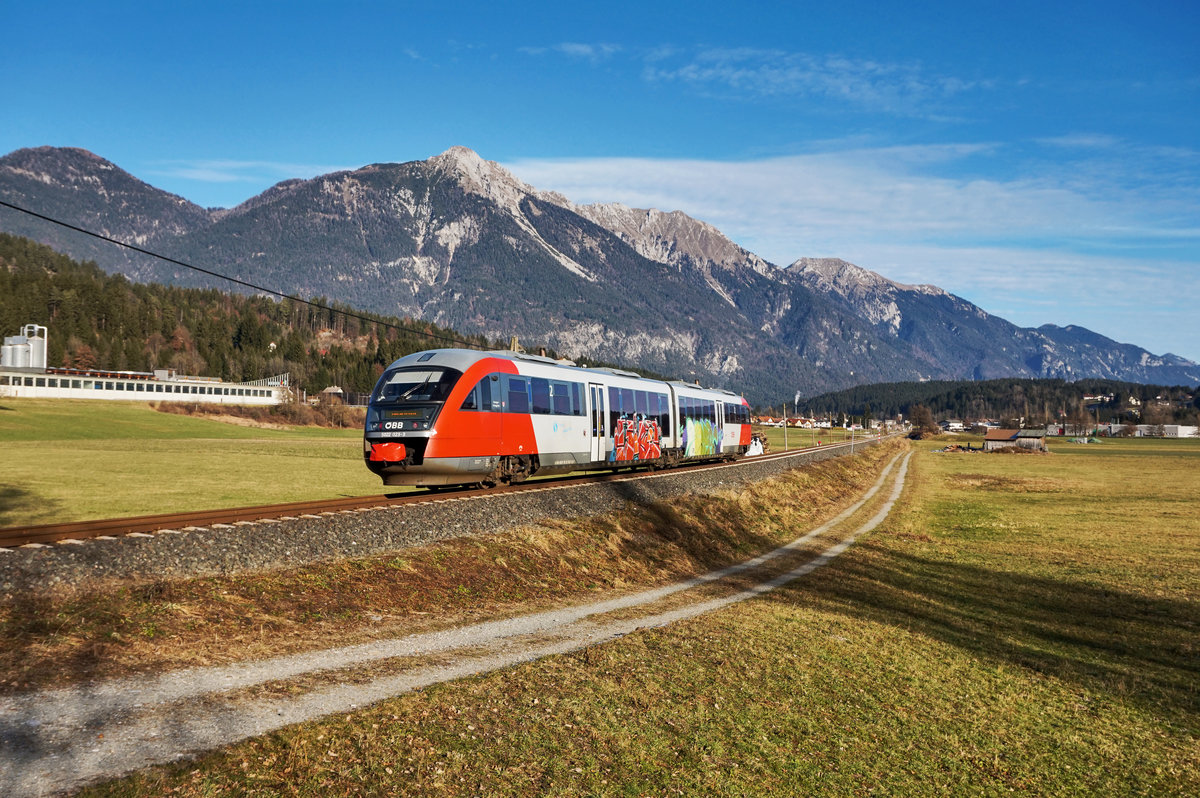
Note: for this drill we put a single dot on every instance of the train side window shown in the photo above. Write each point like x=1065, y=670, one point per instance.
x=664, y=414
x=496, y=404
x=577, y=398
x=560, y=396
x=643, y=406
x=614, y=409
x=628, y=404
x=518, y=394
x=482, y=396
x=471, y=400
x=541, y=394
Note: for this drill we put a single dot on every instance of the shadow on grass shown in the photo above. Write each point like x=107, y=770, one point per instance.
x=1109, y=640
x=20, y=507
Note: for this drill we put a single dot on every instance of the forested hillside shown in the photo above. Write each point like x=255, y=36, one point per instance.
x=103, y=321
x=1036, y=401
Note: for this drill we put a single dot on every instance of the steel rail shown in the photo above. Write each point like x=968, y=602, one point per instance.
x=12, y=537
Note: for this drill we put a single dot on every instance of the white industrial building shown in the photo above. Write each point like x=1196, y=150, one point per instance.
x=24, y=374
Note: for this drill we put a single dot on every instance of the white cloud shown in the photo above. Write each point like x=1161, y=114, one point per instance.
x=228, y=171
x=1098, y=141
x=580, y=50
x=790, y=206
x=903, y=88
x=1048, y=247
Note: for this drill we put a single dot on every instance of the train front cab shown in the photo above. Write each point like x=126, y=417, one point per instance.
x=496, y=422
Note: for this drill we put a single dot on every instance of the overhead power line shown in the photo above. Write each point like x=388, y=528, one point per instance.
x=235, y=280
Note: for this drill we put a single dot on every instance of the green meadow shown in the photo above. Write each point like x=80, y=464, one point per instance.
x=76, y=460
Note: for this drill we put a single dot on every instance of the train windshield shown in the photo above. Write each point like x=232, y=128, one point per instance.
x=419, y=384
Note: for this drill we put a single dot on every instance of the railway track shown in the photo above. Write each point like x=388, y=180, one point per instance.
x=44, y=534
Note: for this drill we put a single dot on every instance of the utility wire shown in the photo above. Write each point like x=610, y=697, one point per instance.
x=260, y=288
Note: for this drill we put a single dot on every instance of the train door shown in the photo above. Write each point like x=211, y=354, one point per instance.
x=596, y=392
x=719, y=420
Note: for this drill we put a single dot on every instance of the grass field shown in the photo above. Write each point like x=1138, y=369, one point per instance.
x=1019, y=625
x=70, y=460
x=805, y=438
x=75, y=460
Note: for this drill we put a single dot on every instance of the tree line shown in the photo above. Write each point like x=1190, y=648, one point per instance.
x=1035, y=401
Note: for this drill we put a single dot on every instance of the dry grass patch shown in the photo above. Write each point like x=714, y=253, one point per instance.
x=1013, y=484
x=150, y=626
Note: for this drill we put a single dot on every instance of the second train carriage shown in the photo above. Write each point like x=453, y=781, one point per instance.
x=456, y=416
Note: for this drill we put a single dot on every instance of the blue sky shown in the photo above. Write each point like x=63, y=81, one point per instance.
x=1039, y=159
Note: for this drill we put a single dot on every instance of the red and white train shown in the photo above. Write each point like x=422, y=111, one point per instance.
x=456, y=416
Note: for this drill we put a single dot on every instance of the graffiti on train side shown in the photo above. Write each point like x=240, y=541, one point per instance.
x=700, y=437
x=636, y=439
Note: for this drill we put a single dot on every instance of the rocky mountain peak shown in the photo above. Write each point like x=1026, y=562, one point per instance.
x=59, y=166
x=670, y=236
x=847, y=279
x=97, y=193
x=485, y=178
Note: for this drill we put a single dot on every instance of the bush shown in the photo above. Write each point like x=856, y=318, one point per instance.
x=290, y=413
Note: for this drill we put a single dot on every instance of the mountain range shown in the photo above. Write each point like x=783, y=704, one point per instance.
x=461, y=242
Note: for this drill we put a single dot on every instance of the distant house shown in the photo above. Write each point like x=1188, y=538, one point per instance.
x=952, y=425
x=333, y=395
x=1014, y=438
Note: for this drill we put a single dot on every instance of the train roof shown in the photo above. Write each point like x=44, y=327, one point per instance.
x=462, y=359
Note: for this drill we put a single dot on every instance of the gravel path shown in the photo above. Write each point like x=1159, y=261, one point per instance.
x=55, y=740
